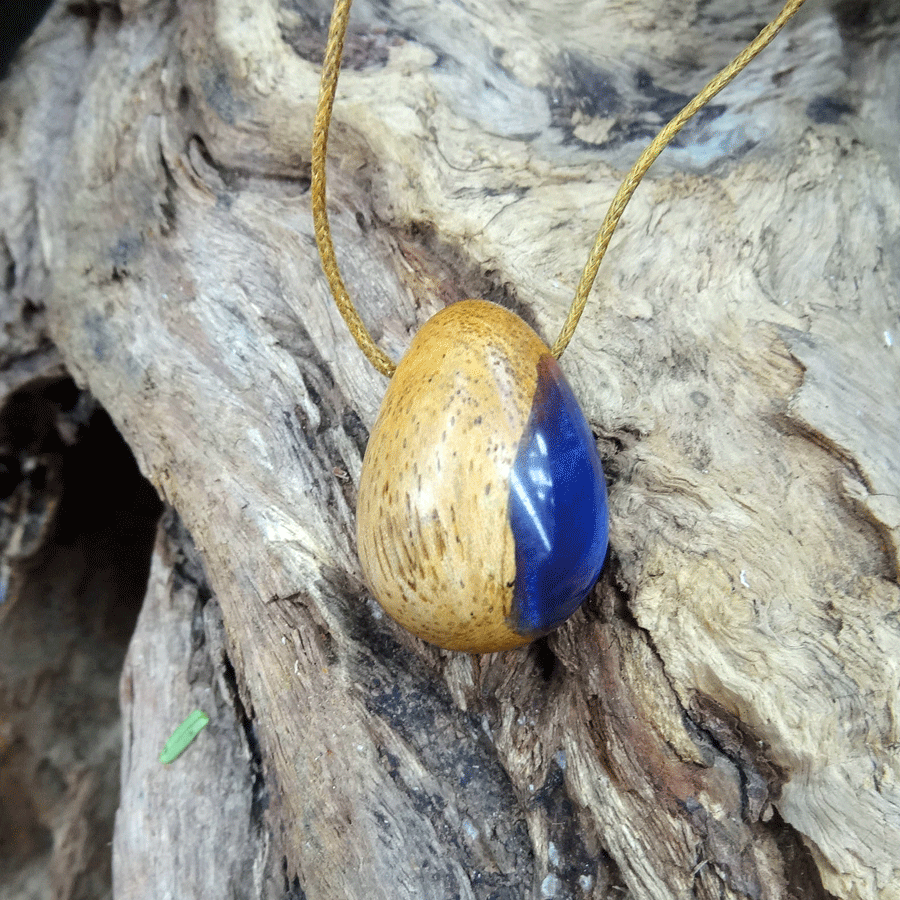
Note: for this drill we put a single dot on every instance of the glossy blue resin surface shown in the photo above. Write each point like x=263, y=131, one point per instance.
x=557, y=508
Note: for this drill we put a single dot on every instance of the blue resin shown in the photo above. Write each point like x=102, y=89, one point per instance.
x=557, y=508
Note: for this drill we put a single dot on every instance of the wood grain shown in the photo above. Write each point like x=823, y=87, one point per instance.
x=721, y=718
x=434, y=534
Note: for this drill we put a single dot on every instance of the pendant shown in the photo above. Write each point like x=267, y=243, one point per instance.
x=482, y=517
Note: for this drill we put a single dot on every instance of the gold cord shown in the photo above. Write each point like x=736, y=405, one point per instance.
x=648, y=157
x=330, y=71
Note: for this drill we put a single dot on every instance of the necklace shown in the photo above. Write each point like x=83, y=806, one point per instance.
x=482, y=518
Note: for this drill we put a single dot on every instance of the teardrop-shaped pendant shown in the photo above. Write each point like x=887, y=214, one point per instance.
x=482, y=517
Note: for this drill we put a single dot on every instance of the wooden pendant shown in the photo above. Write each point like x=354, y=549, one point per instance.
x=482, y=517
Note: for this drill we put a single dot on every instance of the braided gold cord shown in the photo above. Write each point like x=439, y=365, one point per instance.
x=330, y=71
x=648, y=157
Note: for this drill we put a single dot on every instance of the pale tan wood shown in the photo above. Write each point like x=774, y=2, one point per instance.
x=721, y=720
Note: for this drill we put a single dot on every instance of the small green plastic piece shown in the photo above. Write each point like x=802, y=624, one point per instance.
x=183, y=735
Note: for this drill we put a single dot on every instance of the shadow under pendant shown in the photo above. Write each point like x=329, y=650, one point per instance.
x=482, y=515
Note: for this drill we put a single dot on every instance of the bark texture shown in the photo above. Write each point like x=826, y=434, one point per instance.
x=722, y=719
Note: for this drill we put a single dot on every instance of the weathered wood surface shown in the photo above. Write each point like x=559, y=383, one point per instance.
x=722, y=718
x=213, y=841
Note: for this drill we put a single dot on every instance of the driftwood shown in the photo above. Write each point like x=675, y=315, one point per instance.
x=721, y=719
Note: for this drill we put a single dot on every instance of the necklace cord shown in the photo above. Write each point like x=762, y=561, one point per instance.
x=648, y=157
x=330, y=71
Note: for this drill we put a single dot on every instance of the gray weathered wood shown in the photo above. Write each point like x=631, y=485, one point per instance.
x=192, y=828
x=721, y=719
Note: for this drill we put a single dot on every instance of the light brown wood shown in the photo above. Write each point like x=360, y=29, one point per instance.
x=433, y=525
x=721, y=718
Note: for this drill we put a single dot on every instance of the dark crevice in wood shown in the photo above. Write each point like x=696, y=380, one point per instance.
x=168, y=206
x=803, y=879
x=78, y=525
x=573, y=847
x=292, y=888
x=761, y=779
x=761, y=783
x=18, y=21
x=94, y=11
x=545, y=659
x=355, y=430
x=260, y=792
x=186, y=567
x=95, y=16
x=617, y=453
x=612, y=598
x=51, y=429
x=236, y=179
x=8, y=264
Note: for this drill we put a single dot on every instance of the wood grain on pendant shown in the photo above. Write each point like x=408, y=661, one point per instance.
x=480, y=482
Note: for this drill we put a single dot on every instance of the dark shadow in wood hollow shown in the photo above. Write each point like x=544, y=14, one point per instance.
x=77, y=524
